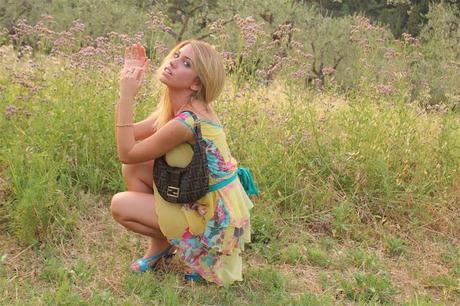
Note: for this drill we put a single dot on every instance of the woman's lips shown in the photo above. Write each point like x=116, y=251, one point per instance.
x=167, y=71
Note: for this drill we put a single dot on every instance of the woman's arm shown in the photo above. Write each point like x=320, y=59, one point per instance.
x=165, y=139
x=144, y=128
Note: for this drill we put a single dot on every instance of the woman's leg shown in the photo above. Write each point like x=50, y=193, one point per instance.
x=134, y=209
x=138, y=177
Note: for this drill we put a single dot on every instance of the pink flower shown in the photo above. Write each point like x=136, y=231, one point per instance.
x=328, y=70
x=10, y=111
x=385, y=89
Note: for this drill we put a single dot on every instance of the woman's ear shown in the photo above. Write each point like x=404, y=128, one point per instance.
x=196, y=85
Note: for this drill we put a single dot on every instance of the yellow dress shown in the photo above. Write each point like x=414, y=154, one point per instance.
x=209, y=233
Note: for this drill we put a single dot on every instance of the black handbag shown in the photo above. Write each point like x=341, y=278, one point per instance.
x=184, y=185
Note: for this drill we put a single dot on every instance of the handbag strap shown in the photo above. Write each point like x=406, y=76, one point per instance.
x=198, y=135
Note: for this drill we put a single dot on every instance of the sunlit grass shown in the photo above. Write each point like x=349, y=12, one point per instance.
x=333, y=171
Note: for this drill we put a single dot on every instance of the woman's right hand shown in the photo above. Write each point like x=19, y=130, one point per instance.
x=132, y=74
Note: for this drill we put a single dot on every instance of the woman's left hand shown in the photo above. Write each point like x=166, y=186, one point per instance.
x=132, y=74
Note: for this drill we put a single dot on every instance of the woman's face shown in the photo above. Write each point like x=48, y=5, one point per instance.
x=177, y=72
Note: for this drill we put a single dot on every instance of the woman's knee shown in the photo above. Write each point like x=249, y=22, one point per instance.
x=117, y=206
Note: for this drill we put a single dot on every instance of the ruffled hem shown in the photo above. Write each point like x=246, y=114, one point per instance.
x=214, y=266
x=215, y=254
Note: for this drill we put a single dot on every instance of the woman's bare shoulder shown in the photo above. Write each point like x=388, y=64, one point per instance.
x=203, y=113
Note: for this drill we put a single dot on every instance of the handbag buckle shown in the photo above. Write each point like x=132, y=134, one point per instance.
x=173, y=192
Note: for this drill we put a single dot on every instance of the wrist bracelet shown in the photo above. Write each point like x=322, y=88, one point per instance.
x=122, y=125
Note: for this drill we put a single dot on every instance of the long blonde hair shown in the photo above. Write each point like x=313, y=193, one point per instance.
x=208, y=66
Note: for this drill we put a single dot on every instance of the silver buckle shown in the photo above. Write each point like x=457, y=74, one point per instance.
x=173, y=192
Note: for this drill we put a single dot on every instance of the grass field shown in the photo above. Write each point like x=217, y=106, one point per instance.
x=359, y=196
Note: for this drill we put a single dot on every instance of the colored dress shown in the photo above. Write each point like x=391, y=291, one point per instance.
x=209, y=233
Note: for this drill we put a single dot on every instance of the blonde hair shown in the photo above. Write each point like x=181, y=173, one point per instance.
x=209, y=67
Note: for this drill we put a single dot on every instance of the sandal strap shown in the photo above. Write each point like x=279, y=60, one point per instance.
x=158, y=255
x=193, y=276
x=144, y=262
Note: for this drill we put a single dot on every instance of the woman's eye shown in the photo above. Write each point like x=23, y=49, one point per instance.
x=186, y=63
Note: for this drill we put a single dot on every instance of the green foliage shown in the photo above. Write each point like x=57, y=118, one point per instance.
x=311, y=299
x=441, y=48
x=263, y=228
x=361, y=259
x=118, y=16
x=368, y=287
x=318, y=257
x=156, y=290
x=39, y=207
x=292, y=254
x=395, y=246
x=420, y=300
x=401, y=16
x=378, y=139
x=63, y=295
x=267, y=279
x=55, y=271
x=451, y=258
x=344, y=219
x=59, y=155
x=449, y=284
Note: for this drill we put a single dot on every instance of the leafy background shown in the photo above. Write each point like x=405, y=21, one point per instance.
x=346, y=112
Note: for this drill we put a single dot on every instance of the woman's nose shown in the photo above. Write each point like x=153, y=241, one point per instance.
x=172, y=63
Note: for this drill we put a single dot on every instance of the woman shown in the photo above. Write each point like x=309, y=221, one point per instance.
x=209, y=234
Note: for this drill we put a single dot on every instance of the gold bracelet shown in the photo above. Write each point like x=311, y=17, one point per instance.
x=122, y=125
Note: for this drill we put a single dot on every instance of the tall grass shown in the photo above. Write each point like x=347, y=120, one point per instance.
x=359, y=160
x=309, y=152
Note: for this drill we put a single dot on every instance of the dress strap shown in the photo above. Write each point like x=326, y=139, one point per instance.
x=197, y=128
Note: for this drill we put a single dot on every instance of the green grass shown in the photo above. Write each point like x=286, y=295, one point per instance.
x=358, y=201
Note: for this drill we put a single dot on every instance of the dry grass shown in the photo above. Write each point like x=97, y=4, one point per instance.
x=109, y=249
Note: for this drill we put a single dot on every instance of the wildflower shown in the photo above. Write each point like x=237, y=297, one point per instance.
x=297, y=45
x=262, y=73
x=160, y=49
x=390, y=53
x=77, y=26
x=228, y=55
x=25, y=51
x=384, y=89
x=328, y=70
x=250, y=30
x=318, y=83
x=218, y=27
x=118, y=60
x=158, y=21
x=102, y=42
x=10, y=111
x=283, y=31
x=300, y=74
x=87, y=51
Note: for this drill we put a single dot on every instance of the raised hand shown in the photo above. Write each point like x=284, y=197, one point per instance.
x=135, y=56
x=132, y=74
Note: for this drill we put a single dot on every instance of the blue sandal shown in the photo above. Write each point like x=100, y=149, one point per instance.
x=193, y=277
x=143, y=264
